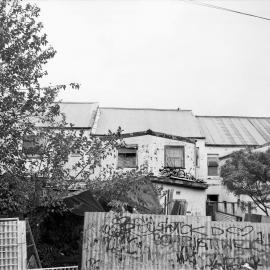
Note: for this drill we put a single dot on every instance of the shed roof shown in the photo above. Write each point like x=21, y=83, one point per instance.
x=174, y=181
x=175, y=122
x=81, y=114
x=234, y=130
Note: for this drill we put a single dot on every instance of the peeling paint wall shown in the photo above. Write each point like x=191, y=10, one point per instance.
x=196, y=199
x=151, y=153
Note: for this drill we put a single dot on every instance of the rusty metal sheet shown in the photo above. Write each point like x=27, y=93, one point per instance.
x=173, y=122
x=163, y=242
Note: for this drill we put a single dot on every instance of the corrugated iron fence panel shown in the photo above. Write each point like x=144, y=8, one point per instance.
x=241, y=243
x=162, y=242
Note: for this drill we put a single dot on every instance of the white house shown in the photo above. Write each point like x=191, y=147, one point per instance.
x=159, y=139
x=175, y=139
x=224, y=135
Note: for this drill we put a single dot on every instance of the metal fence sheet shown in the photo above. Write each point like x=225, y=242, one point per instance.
x=133, y=241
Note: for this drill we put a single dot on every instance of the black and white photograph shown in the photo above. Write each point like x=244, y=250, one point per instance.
x=135, y=134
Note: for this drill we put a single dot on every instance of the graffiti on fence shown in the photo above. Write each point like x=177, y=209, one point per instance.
x=113, y=241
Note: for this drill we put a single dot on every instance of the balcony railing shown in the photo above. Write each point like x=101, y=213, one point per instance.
x=229, y=208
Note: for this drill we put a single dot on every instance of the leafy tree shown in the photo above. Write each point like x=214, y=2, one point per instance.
x=35, y=139
x=130, y=190
x=30, y=112
x=248, y=173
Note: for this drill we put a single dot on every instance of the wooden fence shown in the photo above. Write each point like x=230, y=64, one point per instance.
x=163, y=242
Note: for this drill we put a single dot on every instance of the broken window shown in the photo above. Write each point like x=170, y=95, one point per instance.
x=212, y=163
x=127, y=157
x=174, y=156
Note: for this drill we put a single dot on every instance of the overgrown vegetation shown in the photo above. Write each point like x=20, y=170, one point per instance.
x=248, y=173
x=36, y=140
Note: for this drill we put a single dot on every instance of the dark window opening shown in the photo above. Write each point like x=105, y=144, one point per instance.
x=213, y=163
x=212, y=197
x=127, y=158
x=32, y=145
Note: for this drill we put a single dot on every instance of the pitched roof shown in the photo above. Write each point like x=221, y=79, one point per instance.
x=81, y=114
x=174, y=122
x=235, y=131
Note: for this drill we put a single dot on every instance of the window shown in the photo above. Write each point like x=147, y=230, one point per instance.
x=212, y=197
x=127, y=157
x=212, y=163
x=32, y=145
x=174, y=156
x=197, y=161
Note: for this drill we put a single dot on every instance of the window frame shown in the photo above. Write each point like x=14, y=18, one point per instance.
x=174, y=146
x=38, y=143
x=131, y=147
x=218, y=166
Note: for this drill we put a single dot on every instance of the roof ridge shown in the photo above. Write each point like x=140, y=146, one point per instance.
x=154, y=133
x=231, y=116
x=78, y=102
x=153, y=109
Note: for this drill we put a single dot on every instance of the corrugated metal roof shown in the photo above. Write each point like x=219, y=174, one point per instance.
x=80, y=114
x=226, y=130
x=173, y=122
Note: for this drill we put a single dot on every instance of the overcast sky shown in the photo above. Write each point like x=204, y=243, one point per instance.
x=162, y=54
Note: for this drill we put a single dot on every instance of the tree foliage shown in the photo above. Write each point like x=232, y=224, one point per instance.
x=29, y=110
x=33, y=181
x=248, y=173
x=128, y=190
